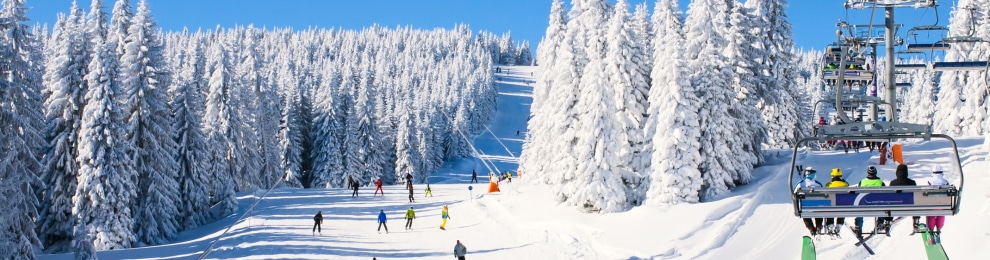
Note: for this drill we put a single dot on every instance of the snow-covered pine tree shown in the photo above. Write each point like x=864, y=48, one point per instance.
x=66, y=90
x=710, y=72
x=748, y=87
x=559, y=161
x=306, y=128
x=119, y=23
x=919, y=103
x=976, y=89
x=326, y=154
x=149, y=129
x=533, y=158
x=950, y=110
x=524, y=54
x=364, y=161
x=673, y=123
x=507, y=49
x=405, y=150
x=244, y=83
x=598, y=178
x=643, y=34
x=267, y=120
x=193, y=152
x=218, y=126
x=623, y=58
x=290, y=128
x=20, y=132
x=780, y=100
x=106, y=191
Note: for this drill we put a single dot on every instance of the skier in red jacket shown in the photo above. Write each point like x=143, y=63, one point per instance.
x=378, y=187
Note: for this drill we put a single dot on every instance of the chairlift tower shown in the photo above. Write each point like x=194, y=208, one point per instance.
x=890, y=95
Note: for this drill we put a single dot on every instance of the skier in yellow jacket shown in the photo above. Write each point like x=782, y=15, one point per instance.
x=410, y=215
x=834, y=224
x=444, y=215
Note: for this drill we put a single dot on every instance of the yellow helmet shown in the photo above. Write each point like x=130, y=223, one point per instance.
x=836, y=172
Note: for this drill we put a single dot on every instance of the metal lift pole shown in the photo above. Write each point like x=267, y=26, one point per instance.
x=891, y=93
x=873, y=57
x=840, y=81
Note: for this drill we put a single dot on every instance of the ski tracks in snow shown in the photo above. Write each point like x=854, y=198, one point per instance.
x=737, y=211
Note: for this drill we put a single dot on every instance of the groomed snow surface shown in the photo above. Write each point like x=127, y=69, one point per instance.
x=522, y=221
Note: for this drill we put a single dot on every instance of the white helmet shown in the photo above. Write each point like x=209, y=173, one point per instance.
x=937, y=169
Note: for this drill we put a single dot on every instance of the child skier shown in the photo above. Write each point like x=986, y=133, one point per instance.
x=935, y=222
x=444, y=216
x=429, y=192
x=810, y=182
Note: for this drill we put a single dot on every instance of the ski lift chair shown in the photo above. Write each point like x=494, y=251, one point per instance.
x=863, y=4
x=936, y=46
x=962, y=65
x=887, y=201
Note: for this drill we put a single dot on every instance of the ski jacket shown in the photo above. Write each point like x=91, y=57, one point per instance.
x=806, y=183
x=460, y=250
x=381, y=217
x=937, y=179
x=318, y=218
x=902, y=177
x=378, y=183
x=837, y=182
x=410, y=213
x=444, y=214
x=871, y=182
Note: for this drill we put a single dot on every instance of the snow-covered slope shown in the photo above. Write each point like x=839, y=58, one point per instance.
x=522, y=221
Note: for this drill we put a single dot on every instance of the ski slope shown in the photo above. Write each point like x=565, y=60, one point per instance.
x=522, y=221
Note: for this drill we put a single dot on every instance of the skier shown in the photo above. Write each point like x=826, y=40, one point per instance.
x=834, y=224
x=318, y=219
x=460, y=250
x=411, y=199
x=429, y=192
x=474, y=176
x=378, y=187
x=810, y=182
x=381, y=222
x=444, y=215
x=871, y=180
x=355, y=185
x=410, y=215
x=508, y=175
x=902, y=179
x=935, y=222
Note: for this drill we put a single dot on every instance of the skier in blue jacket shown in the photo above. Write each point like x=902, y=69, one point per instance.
x=381, y=222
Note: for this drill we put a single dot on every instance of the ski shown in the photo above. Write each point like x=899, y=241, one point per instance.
x=808, y=249
x=933, y=245
x=862, y=241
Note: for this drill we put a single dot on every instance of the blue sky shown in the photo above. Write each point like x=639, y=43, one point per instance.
x=813, y=20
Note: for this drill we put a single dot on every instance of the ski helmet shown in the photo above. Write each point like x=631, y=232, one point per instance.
x=836, y=172
x=937, y=169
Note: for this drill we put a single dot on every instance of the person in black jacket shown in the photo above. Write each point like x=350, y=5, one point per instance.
x=319, y=221
x=902, y=179
x=355, y=184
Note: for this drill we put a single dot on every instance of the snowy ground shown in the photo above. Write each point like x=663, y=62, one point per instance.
x=522, y=221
